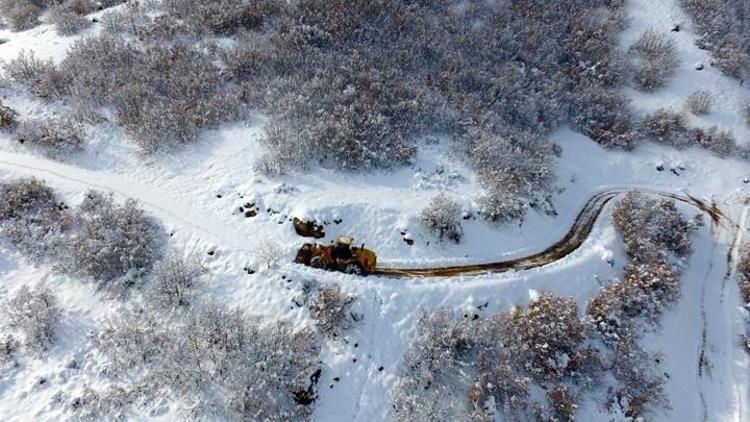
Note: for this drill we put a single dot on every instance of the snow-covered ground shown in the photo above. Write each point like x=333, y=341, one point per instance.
x=197, y=192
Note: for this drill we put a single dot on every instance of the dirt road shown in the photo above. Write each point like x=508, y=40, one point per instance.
x=572, y=240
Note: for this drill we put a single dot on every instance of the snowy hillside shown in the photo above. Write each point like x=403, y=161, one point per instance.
x=587, y=185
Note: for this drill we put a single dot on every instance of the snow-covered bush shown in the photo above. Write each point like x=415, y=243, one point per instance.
x=669, y=127
x=442, y=217
x=654, y=60
x=8, y=348
x=432, y=380
x=640, y=386
x=516, y=170
x=269, y=254
x=700, y=102
x=221, y=364
x=54, y=137
x=35, y=313
x=724, y=33
x=7, y=118
x=743, y=269
x=114, y=241
x=68, y=19
x=604, y=116
x=719, y=141
x=223, y=17
x=31, y=217
x=653, y=230
x=666, y=126
x=641, y=295
x=26, y=68
x=163, y=96
x=458, y=369
x=332, y=310
x=176, y=282
x=21, y=14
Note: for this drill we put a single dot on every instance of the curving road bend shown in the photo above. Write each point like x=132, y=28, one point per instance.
x=573, y=239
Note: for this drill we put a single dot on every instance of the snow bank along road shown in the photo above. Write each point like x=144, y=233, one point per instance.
x=161, y=204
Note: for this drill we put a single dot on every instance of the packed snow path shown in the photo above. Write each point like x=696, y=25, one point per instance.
x=171, y=208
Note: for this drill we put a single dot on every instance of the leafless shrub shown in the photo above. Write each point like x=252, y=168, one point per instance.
x=655, y=58
x=36, y=314
x=700, y=103
x=642, y=294
x=270, y=254
x=604, y=116
x=114, y=241
x=721, y=24
x=220, y=363
x=442, y=217
x=20, y=14
x=7, y=118
x=743, y=269
x=68, y=20
x=163, y=95
x=176, y=282
x=653, y=230
x=495, y=363
x=221, y=16
x=517, y=172
x=718, y=141
x=84, y=7
x=563, y=405
x=26, y=68
x=332, y=310
x=431, y=374
x=641, y=388
x=31, y=217
x=668, y=127
x=8, y=348
x=54, y=137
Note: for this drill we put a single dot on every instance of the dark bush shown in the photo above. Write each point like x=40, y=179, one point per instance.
x=653, y=230
x=718, y=141
x=495, y=362
x=54, y=137
x=642, y=294
x=7, y=118
x=442, y=217
x=114, y=241
x=723, y=32
x=667, y=126
x=743, y=268
x=32, y=217
x=163, y=96
x=26, y=68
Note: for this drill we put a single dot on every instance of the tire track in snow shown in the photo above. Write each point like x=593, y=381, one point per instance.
x=570, y=242
x=124, y=188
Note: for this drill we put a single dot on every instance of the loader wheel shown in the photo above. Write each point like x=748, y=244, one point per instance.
x=317, y=262
x=353, y=268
